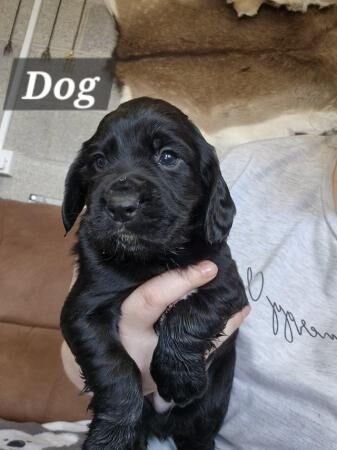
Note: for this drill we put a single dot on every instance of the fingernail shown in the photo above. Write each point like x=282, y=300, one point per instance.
x=207, y=268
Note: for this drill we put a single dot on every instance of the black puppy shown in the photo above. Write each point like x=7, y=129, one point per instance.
x=155, y=200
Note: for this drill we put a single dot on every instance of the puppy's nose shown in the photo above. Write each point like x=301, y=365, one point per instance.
x=123, y=208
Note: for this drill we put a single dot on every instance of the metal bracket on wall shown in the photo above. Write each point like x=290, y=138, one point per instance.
x=35, y=198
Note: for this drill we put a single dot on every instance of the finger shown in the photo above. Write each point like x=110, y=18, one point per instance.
x=146, y=304
x=232, y=325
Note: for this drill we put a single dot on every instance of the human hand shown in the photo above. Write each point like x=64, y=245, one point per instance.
x=148, y=302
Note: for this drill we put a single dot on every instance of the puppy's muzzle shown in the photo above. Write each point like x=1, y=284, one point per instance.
x=123, y=198
x=123, y=208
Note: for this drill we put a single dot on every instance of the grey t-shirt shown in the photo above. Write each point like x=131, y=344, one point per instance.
x=284, y=240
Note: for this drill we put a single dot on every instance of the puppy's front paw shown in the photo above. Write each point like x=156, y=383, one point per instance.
x=179, y=379
x=105, y=435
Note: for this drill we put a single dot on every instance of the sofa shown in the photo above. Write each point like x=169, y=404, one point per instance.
x=35, y=274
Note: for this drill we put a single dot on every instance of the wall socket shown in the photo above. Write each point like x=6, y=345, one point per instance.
x=6, y=162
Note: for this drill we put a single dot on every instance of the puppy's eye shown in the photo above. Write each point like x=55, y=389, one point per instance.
x=100, y=161
x=168, y=158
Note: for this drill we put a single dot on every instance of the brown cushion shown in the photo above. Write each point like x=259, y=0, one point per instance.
x=35, y=263
x=33, y=384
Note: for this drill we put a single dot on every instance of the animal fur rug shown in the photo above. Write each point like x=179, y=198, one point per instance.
x=238, y=79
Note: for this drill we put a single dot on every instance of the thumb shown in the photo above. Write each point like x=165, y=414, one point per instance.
x=147, y=303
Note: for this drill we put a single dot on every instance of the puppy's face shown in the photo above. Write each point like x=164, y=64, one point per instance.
x=150, y=182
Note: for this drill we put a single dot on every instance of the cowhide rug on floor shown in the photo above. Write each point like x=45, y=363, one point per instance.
x=34, y=436
x=238, y=79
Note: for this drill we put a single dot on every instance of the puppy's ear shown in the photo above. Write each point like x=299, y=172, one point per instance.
x=220, y=211
x=74, y=194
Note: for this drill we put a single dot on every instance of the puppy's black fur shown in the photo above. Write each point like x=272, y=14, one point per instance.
x=155, y=200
